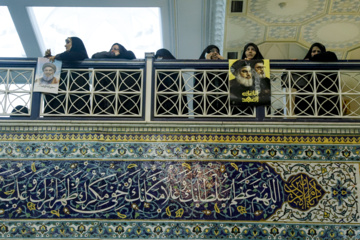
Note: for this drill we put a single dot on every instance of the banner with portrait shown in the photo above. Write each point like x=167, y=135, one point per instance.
x=47, y=77
x=250, y=82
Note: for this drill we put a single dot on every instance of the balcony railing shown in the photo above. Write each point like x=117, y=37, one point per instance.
x=181, y=90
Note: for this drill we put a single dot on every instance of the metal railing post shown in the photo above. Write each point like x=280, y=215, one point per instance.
x=149, y=59
x=35, y=105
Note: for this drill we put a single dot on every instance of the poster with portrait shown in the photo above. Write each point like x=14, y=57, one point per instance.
x=250, y=82
x=47, y=77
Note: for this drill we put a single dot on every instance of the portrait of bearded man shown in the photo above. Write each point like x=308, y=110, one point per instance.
x=48, y=77
x=250, y=85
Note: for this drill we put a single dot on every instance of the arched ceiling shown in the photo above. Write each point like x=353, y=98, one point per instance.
x=285, y=29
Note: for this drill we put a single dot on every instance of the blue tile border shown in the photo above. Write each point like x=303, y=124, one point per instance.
x=85, y=229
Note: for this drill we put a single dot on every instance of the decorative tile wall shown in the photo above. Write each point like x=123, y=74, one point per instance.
x=133, y=183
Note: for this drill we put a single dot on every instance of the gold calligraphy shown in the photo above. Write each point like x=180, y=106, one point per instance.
x=304, y=192
x=250, y=96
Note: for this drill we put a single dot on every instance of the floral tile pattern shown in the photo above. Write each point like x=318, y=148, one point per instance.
x=177, y=151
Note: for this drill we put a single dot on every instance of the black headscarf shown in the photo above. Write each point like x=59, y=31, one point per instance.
x=207, y=50
x=77, y=51
x=124, y=53
x=319, y=45
x=78, y=46
x=122, y=49
x=164, y=53
x=258, y=54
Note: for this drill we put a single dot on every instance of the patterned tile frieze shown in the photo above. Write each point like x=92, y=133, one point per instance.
x=186, y=137
x=73, y=129
x=120, y=229
x=177, y=151
x=199, y=190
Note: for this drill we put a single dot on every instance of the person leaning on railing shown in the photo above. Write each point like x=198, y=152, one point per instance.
x=105, y=81
x=78, y=103
x=328, y=105
x=215, y=82
x=117, y=51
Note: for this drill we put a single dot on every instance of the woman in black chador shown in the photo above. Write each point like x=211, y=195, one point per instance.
x=327, y=105
x=106, y=81
x=79, y=103
x=251, y=52
x=163, y=54
x=211, y=52
x=116, y=51
x=214, y=82
x=169, y=82
x=74, y=51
